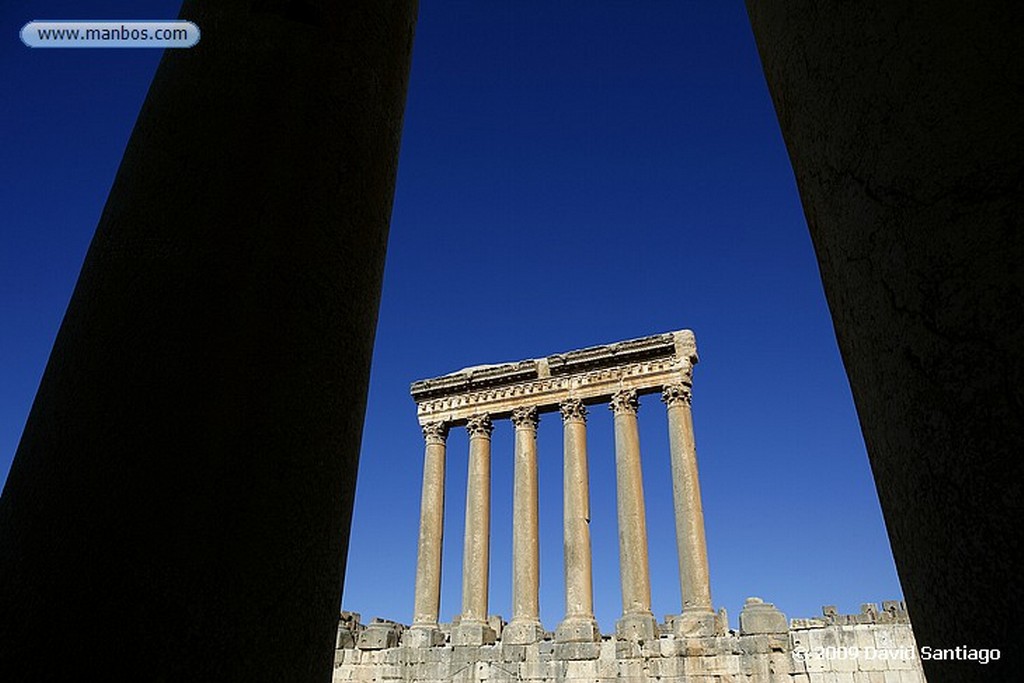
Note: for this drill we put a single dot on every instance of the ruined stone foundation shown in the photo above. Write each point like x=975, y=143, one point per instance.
x=875, y=646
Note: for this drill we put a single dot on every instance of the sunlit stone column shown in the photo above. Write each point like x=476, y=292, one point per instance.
x=525, y=626
x=424, y=631
x=473, y=628
x=579, y=624
x=637, y=622
x=698, y=616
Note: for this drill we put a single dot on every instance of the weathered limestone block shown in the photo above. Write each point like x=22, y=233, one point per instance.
x=863, y=636
x=522, y=633
x=628, y=649
x=640, y=628
x=663, y=668
x=630, y=669
x=607, y=663
x=646, y=365
x=806, y=623
x=576, y=651
x=535, y=669
x=669, y=647
x=380, y=634
x=751, y=658
x=581, y=669
x=423, y=636
x=695, y=624
x=472, y=634
x=349, y=629
x=497, y=624
x=759, y=616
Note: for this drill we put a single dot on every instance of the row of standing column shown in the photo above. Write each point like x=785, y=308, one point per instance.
x=579, y=624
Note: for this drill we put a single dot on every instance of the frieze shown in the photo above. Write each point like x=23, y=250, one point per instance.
x=592, y=375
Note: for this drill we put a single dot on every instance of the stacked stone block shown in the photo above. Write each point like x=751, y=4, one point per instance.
x=875, y=646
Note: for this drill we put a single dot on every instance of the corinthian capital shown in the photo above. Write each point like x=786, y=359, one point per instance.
x=435, y=432
x=480, y=425
x=676, y=393
x=525, y=417
x=573, y=409
x=624, y=402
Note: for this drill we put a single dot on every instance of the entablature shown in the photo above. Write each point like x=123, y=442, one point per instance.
x=591, y=374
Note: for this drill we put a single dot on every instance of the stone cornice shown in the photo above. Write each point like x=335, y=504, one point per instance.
x=593, y=375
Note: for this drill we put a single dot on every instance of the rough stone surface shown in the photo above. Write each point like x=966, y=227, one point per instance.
x=902, y=123
x=592, y=375
x=380, y=634
x=616, y=373
x=179, y=504
x=759, y=616
x=841, y=650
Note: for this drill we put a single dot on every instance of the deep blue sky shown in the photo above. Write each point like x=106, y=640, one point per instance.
x=571, y=174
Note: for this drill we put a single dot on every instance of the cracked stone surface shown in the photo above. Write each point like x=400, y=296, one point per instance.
x=900, y=121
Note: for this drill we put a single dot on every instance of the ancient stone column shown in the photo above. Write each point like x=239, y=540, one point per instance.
x=525, y=626
x=579, y=624
x=698, y=617
x=473, y=628
x=182, y=493
x=899, y=122
x=637, y=622
x=424, y=631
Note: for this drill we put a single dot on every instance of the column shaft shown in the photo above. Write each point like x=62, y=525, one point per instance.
x=428, y=560
x=579, y=624
x=525, y=626
x=637, y=622
x=473, y=629
x=193, y=446
x=694, y=578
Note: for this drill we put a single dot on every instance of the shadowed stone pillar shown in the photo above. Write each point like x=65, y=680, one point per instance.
x=472, y=628
x=579, y=624
x=637, y=622
x=424, y=631
x=698, y=617
x=181, y=496
x=902, y=122
x=525, y=626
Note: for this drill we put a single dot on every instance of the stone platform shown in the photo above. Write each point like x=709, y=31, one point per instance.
x=875, y=646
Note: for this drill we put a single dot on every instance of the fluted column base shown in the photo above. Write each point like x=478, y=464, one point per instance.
x=473, y=634
x=637, y=626
x=423, y=635
x=696, y=623
x=522, y=632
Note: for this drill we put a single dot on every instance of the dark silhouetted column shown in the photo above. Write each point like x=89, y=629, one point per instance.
x=902, y=124
x=179, y=504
